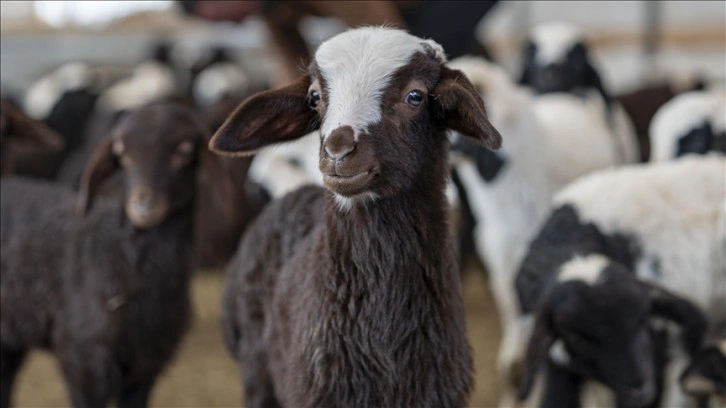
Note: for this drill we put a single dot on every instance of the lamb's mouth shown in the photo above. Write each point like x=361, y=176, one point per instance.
x=348, y=185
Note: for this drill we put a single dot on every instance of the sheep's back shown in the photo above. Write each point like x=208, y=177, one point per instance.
x=673, y=212
x=270, y=240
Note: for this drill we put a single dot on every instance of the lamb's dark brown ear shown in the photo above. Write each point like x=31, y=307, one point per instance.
x=267, y=118
x=25, y=133
x=459, y=107
x=100, y=166
x=681, y=311
x=538, y=348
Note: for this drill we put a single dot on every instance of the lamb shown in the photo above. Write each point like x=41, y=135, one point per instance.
x=693, y=122
x=18, y=132
x=652, y=223
x=216, y=238
x=107, y=293
x=150, y=81
x=510, y=191
x=556, y=60
x=349, y=295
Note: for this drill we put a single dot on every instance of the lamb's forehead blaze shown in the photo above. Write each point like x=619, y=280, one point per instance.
x=554, y=41
x=357, y=66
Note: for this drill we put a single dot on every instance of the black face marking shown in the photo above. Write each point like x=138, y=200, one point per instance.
x=573, y=75
x=604, y=328
x=698, y=140
x=488, y=163
x=563, y=236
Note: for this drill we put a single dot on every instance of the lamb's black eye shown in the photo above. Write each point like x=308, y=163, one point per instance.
x=314, y=99
x=414, y=98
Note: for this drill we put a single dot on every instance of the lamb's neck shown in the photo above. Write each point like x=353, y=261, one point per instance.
x=172, y=239
x=399, y=235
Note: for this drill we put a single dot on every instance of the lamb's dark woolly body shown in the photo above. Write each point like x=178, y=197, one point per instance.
x=350, y=296
x=382, y=282
x=110, y=301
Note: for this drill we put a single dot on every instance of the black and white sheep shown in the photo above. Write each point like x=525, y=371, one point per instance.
x=510, y=191
x=108, y=294
x=349, y=295
x=694, y=122
x=662, y=225
x=556, y=61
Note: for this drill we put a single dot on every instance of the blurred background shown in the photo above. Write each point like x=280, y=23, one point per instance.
x=633, y=42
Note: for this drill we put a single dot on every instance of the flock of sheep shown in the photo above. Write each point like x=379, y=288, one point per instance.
x=601, y=221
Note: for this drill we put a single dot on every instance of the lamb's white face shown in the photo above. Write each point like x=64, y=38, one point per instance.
x=356, y=67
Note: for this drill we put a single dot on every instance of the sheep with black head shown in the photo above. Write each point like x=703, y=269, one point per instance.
x=653, y=226
x=557, y=64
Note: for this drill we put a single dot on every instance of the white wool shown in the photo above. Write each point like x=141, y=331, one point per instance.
x=554, y=40
x=272, y=167
x=674, y=208
x=149, y=82
x=358, y=66
x=219, y=80
x=681, y=114
x=676, y=211
x=45, y=93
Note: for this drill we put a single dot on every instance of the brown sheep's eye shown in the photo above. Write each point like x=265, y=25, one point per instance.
x=185, y=148
x=314, y=99
x=414, y=98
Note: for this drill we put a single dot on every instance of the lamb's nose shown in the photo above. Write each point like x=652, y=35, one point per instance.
x=143, y=199
x=340, y=143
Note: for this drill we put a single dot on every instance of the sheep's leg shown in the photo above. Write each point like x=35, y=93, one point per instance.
x=136, y=395
x=89, y=375
x=10, y=362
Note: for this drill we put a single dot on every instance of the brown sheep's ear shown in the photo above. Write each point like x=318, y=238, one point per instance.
x=101, y=165
x=538, y=348
x=458, y=106
x=26, y=133
x=267, y=118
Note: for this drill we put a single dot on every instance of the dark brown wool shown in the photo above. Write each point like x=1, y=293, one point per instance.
x=334, y=306
x=108, y=292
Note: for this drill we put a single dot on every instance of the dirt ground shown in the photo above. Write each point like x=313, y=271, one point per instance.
x=203, y=373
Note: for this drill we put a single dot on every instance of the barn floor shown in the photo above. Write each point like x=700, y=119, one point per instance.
x=203, y=374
